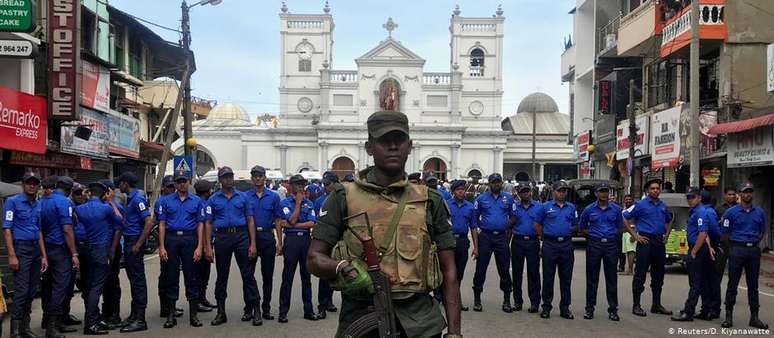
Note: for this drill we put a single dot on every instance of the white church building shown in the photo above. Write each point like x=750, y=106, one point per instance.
x=455, y=117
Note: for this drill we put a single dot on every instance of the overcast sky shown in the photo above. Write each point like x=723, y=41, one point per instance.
x=237, y=42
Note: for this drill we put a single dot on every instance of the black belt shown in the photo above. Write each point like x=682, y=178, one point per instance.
x=603, y=239
x=744, y=244
x=296, y=233
x=262, y=229
x=650, y=235
x=463, y=236
x=559, y=239
x=230, y=230
x=525, y=238
x=181, y=232
x=494, y=232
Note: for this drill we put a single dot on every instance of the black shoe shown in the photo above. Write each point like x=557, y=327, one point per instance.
x=135, y=326
x=104, y=326
x=477, y=307
x=113, y=321
x=589, y=314
x=311, y=316
x=660, y=310
x=714, y=315
x=207, y=303
x=517, y=307
x=16, y=326
x=267, y=315
x=70, y=320
x=464, y=308
x=545, y=314
x=94, y=330
x=193, y=317
x=203, y=308
x=613, y=316
x=171, y=322
x=566, y=314
x=702, y=316
x=322, y=315
x=758, y=324
x=533, y=309
x=638, y=311
x=51, y=324
x=282, y=319
x=331, y=308
x=682, y=317
x=220, y=318
x=507, y=307
x=257, y=321
x=247, y=315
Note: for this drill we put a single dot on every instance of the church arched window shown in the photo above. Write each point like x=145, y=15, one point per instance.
x=477, y=62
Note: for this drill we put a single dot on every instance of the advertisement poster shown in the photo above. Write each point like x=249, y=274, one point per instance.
x=622, y=138
x=22, y=121
x=665, y=138
x=581, y=146
x=711, y=176
x=95, y=87
x=97, y=144
x=124, y=132
x=752, y=148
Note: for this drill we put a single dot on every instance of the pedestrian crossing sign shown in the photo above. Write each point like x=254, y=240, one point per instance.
x=183, y=166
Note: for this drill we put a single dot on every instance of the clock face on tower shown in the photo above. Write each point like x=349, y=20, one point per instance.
x=305, y=50
x=304, y=104
x=476, y=107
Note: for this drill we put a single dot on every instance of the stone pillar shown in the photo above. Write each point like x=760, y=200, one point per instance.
x=323, y=156
x=284, y=158
x=542, y=175
x=362, y=157
x=497, y=161
x=325, y=89
x=244, y=158
x=455, y=161
x=417, y=158
x=456, y=95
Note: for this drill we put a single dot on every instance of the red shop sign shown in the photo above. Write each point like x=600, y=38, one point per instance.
x=22, y=121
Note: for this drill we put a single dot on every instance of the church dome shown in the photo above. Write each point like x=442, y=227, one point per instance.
x=228, y=111
x=537, y=103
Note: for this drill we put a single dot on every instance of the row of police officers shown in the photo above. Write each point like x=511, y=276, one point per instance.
x=541, y=233
x=81, y=230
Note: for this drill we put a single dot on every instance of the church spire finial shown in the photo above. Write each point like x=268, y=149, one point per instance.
x=390, y=26
x=499, y=11
x=327, y=8
x=284, y=7
x=457, y=10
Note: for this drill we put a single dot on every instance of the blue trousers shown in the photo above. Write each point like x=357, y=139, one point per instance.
x=96, y=256
x=56, y=280
x=180, y=249
x=111, y=295
x=558, y=257
x=202, y=270
x=135, y=271
x=749, y=260
x=699, y=270
x=324, y=295
x=267, y=253
x=26, y=279
x=602, y=253
x=461, y=253
x=651, y=256
x=295, y=249
x=526, y=250
x=236, y=245
x=490, y=243
x=710, y=296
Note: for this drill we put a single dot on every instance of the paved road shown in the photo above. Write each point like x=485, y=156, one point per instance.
x=490, y=323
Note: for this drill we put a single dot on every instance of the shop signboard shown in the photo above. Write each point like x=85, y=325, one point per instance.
x=581, y=146
x=17, y=48
x=711, y=176
x=124, y=131
x=22, y=121
x=770, y=67
x=64, y=59
x=622, y=138
x=665, y=138
x=17, y=16
x=95, y=87
x=752, y=148
x=97, y=144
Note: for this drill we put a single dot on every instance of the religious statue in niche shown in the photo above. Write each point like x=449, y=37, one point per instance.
x=389, y=95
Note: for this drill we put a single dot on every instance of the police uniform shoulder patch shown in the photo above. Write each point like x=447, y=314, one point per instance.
x=286, y=210
x=9, y=215
x=141, y=206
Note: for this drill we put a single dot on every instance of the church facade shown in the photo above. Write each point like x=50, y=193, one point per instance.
x=455, y=116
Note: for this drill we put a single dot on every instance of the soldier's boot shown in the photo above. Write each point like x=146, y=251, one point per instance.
x=756, y=322
x=61, y=327
x=257, y=319
x=729, y=321
x=220, y=317
x=477, y=301
x=16, y=325
x=193, y=318
x=657, y=308
x=171, y=318
x=51, y=327
x=26, y=331
x=507, y=302
x=137, y=324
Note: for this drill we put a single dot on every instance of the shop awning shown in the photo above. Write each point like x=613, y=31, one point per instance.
x=742, y=125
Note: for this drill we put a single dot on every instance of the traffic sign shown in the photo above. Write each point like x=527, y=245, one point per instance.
x=16, y=16
x=183, y=165
x=17, y=48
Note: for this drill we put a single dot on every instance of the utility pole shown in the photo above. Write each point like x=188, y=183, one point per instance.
x=534, y=137
x=695, y=95
x=187, y=118
x=632, y=136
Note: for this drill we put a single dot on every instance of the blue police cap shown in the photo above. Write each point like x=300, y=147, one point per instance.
x=30, y=176
x=746, y=186
x=181, y=177
x=65, y=182
x=258, y=171
x=523, y=186
x=603, y=186
x=330, y=177
x=561, y=184
x=495, y=177
x=297, y=179
x=457, y=184
x=223, y=171
x=693, y=192
x=107, y=183
x=167, y=181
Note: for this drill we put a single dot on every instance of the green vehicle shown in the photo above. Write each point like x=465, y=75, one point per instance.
x=677, y=245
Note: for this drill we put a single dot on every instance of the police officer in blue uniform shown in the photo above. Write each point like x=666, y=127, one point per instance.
x=699, y=263
x=324, y=290
x=181, y=235
x=462, y=215
x=78, y=197
x=26, y=252
x=267, y=213
x=653, y=223
x=167, y=188
x=745, y=225
x=493, y=215
x=136, y=228
x=555, y=225
x=230, y=219
x=710, y=296
x=111, y=295
x=56, y=223
x=202, y=268
x=525, y=246
x=432, y=182
x=100, y=217
x=602, y=220
x=299, y=218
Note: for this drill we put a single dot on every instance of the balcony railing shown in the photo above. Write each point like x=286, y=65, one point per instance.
x=344, y=76
x=436, y=78
x=305, y=24
x=478, y=26
x=607, y=36
x=677, y=28
x=476, y=71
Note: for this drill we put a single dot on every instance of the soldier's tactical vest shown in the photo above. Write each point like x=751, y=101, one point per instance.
x=411, y=260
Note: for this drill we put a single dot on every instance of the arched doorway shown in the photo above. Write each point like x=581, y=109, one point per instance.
x=389, y=95
x=475, y=173
x=436, y=166
x=343, y=166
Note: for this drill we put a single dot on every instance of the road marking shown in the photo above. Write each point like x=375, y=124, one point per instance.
x=761, y=292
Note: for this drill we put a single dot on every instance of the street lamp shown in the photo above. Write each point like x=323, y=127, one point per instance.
x=188, y=141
